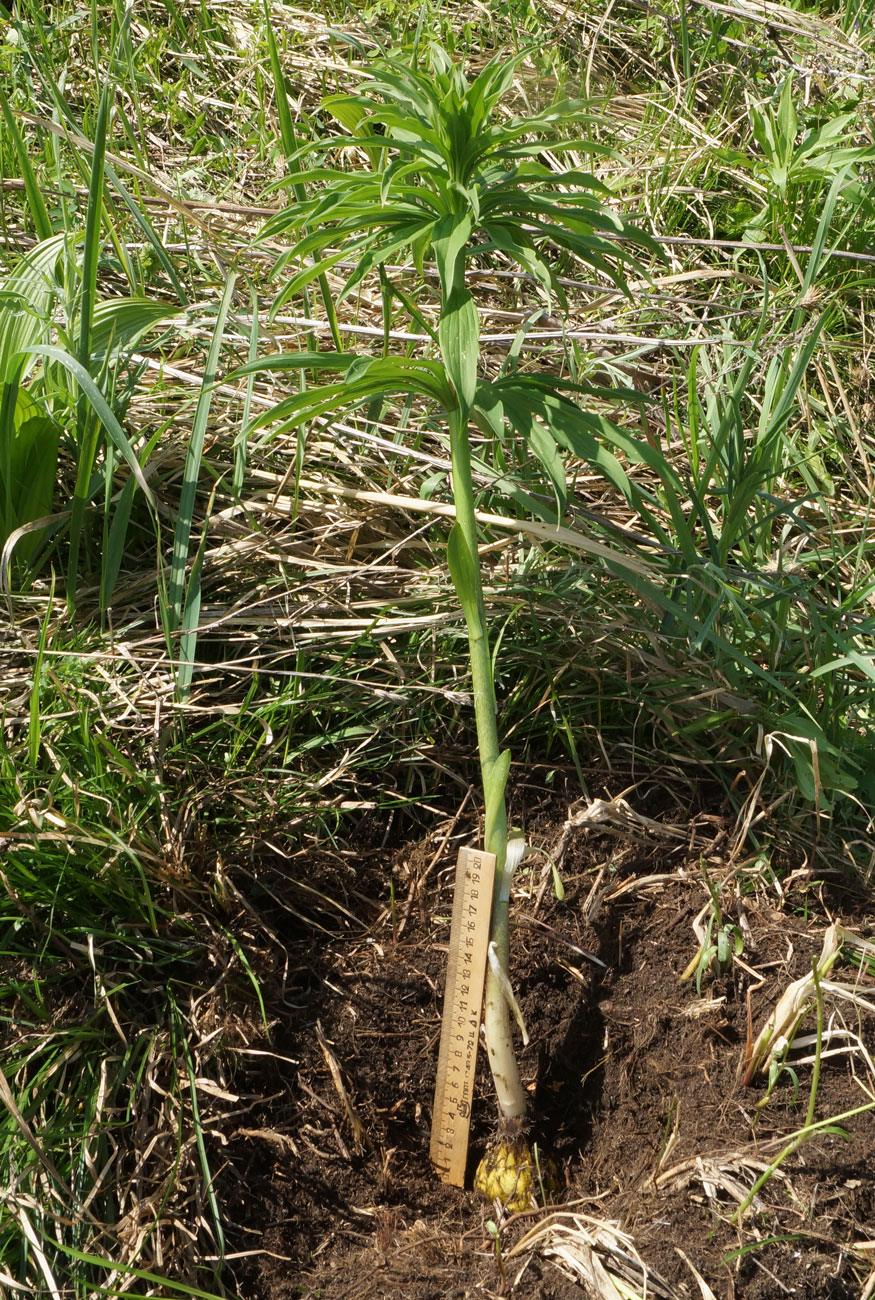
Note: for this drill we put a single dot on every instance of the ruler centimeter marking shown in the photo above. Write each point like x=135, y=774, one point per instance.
x=463, y=1007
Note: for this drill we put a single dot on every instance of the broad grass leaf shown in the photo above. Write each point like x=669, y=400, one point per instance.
x=865, y=663
x=119, y=323
x=28, y=466
x=290, y=361
x=27, y=296
x=819, y=766
x=101, y=409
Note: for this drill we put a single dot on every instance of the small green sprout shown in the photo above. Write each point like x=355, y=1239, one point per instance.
x=719, y=940
x=495, y=1233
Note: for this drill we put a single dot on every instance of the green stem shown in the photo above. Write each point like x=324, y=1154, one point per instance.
x=478, y=640
x=493, y=768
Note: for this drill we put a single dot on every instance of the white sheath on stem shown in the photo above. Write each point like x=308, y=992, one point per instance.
x=496, y=1020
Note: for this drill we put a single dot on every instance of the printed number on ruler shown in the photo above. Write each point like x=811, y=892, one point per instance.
x=463, y=1005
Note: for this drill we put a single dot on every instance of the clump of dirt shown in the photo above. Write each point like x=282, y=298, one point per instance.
x=634, y=1074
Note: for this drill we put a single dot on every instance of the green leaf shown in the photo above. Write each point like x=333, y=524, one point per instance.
x=788, y=122
x=365, y=377
x=114, y=546
x=93, y=221
x=35, y=720
x=87, y=425
x=28, y=466
x=510, y=238
x=114, y=1267
x=284, y=112
x=459, y=339
x=449, y=240
x=190, y=620
x=27, y=298
x=539, y=437
x=120, y=323
x=495, y=778
x=38, y=210
x=350, y=111
x=101, y=409
x=463, y=571
x=193, y=458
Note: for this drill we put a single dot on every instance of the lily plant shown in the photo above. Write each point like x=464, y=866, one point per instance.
x=452, y=181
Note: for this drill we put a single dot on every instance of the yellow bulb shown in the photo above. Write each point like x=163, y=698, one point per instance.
x=508, y=1173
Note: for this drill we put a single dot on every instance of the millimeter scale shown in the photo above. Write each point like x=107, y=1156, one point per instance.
x=463, y=1007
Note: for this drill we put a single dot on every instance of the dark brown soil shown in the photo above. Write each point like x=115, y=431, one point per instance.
x=634, y=1078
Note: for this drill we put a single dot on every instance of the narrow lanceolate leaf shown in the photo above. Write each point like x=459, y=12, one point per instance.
x=459, y=339
x=283, y=108
x=495, y=778
x=463, y=571
x=509, y=237
x=450, y=239
x=530, y=422
x=365, y=378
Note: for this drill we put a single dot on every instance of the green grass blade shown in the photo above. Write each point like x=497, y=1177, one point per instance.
x=193, y=462
x=114, y=546
x=113, y=1266
x=290, y=149
x=38, y=210
x=34, y=730
x=87, y=426
x=93, y=223
x=183, y=606
x=241, y=437
x=191, y=611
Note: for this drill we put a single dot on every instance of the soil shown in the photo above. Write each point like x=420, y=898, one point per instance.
x=634, y=1075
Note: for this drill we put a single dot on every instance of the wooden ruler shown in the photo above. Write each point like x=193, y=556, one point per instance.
x=463, y=1006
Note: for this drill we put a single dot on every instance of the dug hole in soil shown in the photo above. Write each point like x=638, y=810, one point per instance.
x=326, y=1186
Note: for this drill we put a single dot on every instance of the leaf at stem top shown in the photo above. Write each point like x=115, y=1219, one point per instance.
x=451, y=177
